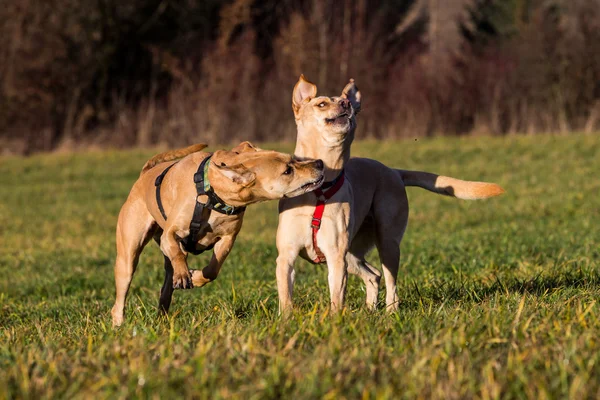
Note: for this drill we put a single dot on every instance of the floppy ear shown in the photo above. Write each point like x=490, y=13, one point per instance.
x=237, y=173
x=352, y=93
x=245, y=147
x=302, y=91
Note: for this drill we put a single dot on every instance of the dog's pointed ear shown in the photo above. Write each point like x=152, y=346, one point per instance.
x=245, y=147
x=352, y=93
x=236, y=173
x=303, y=91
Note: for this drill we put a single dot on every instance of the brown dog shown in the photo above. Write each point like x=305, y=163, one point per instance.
x=370, y=209
x=242, y=176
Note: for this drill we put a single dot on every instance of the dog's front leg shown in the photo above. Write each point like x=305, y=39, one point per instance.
x=211, y=271
x=335, y=242
x=285, y=280
x=337, y=278
x=169, y=244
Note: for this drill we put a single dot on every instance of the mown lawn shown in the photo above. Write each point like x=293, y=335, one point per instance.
x=499, y=297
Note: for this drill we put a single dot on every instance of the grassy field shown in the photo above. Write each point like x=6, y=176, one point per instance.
x=498, y=297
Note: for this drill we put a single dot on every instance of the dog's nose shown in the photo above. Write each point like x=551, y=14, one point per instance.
x=319, y=164
x=345, y=103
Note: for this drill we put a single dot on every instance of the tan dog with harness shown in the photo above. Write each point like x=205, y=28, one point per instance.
x=362, y=205
x=191, y=205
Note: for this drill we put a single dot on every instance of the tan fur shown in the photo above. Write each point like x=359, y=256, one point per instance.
x=445, y=185
x=370, y=210
x=172, y=155
x=242, y=176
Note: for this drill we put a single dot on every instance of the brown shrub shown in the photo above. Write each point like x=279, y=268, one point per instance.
x=79, y=73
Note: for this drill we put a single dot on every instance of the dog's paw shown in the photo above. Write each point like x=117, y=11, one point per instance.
x=182, y=280
x=198, y=279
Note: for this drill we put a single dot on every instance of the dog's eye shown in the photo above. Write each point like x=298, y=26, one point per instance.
x=288, y=171
x=321, y=105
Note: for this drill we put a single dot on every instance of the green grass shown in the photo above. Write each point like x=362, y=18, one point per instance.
x=498, y=297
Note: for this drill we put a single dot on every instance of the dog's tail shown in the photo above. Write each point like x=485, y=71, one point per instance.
x=447, y=186
x=172, y=155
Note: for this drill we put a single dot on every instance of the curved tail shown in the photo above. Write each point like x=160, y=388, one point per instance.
x=447, y=186
x=172, y=155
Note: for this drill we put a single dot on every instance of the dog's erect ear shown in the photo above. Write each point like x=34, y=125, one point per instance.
x=245, y=147
x=237, y=173
x=352, y=93
x=303, y=91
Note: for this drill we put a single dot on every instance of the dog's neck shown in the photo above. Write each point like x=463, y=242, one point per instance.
x=310, y=143
x=220, y=184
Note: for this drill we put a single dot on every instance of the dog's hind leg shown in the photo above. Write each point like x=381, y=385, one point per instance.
x=370, y=276
x=135, y=228
x=357, y=265
x=390, y=222
x=166, y=292
x=389, y=254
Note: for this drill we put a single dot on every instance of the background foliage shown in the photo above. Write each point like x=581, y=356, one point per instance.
x=106, y=72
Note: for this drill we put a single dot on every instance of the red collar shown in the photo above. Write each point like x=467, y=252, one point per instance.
x=331, y=188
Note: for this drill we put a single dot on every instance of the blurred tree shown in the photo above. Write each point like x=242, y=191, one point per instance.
x=146, y=71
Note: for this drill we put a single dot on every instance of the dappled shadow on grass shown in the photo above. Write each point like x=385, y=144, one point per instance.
x=540, y=285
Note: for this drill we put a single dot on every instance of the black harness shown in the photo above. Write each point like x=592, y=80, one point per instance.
x=199, y=222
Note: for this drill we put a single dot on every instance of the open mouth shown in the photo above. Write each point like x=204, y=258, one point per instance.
x=307, y=187
x=314, y=184
x=343, y=117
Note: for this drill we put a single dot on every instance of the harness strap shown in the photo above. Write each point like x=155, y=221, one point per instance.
x=199, y=221
x=322, y=198
x=198, y=225
x=157, y=183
